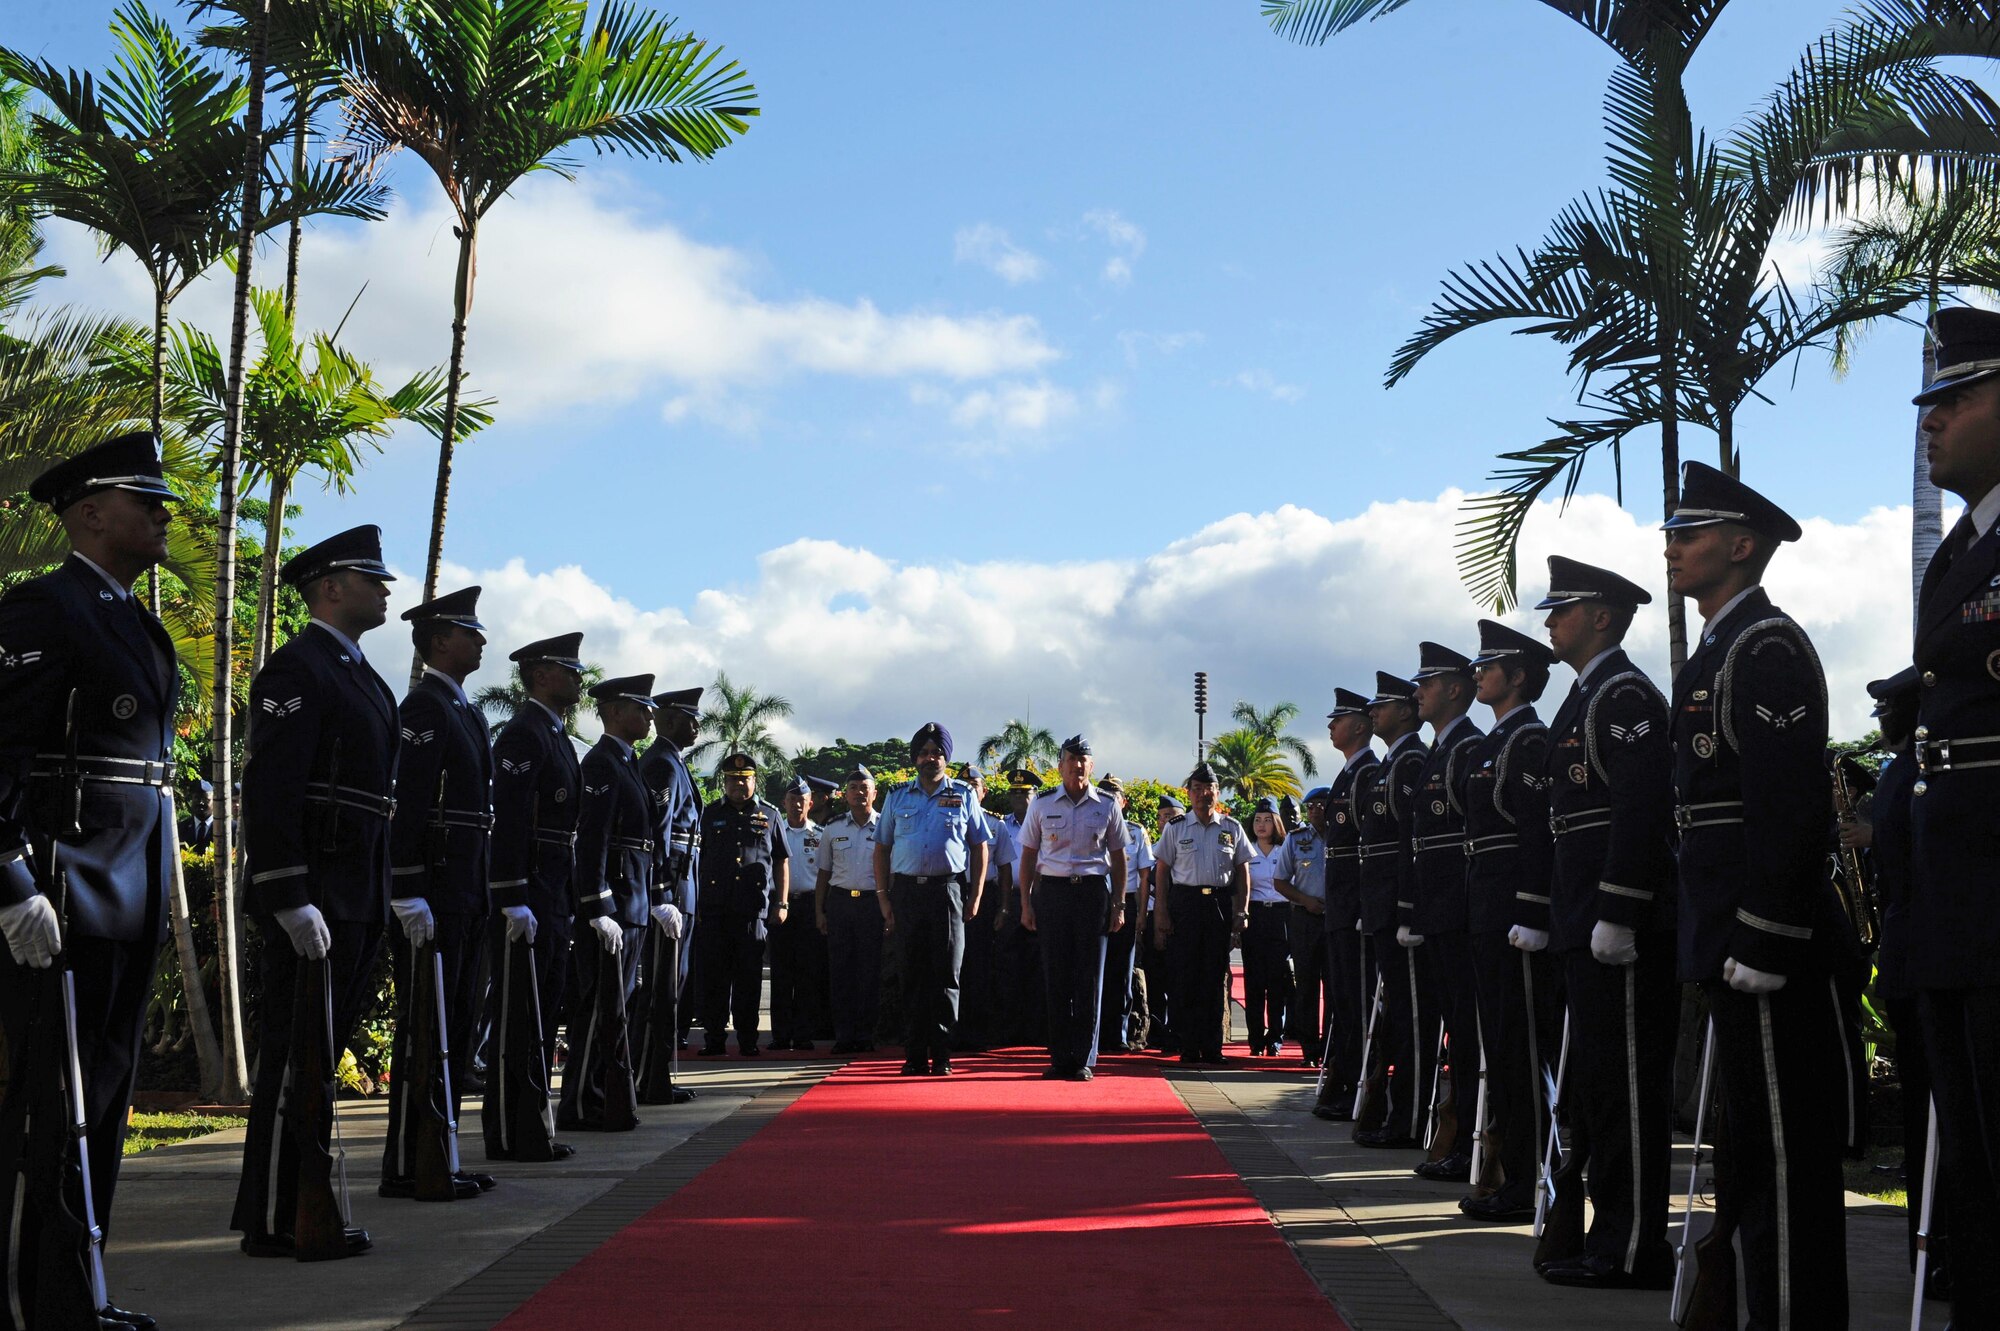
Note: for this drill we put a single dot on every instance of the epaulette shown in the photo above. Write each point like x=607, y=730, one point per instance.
x=1176, y=818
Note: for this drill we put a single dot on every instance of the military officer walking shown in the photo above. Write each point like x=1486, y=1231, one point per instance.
x=1072, y=852
x=930, y=866
x=1203, y=857
x=317, y=796
x=745, y=893
x=798, y=949
x=847, y=912
x=86, y=843
x=1017, y=961
x=439, y=871
x=537, y=782
x=1350, y=981
x=979, y=1004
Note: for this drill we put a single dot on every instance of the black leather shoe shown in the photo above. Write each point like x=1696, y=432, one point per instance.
x=752, y=1050
x=483, y=1182
x=1591, y=1272
x=1498, y=1207
x=1454, y=1168
x=470, y=1084
x=281, y=1245
x=1081, y=1074
x=1386, y=1138
x=118, y=1316
x=867, y=1047
x=915, y=1067
x=1054, y=1074
x=801, y=1046
x=713, y=1050
x=1332, y=1113
x=1188, y=1059
x=407, y=1188
x=940, y=1067
x=681, y=1096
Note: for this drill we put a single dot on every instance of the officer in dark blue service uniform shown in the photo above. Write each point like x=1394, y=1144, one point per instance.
x=86, y=673
x=744, y=895
x=317, y=798
x=658, y=1022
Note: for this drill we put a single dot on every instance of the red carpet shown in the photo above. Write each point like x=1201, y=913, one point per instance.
x=991, y=1197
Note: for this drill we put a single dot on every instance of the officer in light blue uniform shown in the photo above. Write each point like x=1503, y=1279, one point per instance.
x=979, y=979
x=930, y=861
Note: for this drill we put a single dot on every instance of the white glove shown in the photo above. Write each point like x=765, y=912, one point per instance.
x=33, y=934
x=669, y=918
x=520, y=923
x=1406, y=938
x=414, y=914
x=609, y=934
x=1614, y=944
x=1528, y=940
x=307, y=929
x=1360, y=928
x=1745, y=980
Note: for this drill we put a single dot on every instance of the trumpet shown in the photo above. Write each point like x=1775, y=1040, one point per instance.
x=1853, y=883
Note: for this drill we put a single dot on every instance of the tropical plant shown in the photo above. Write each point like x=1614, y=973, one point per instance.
x=486, y=91
x=1270, y=723
x=501, y=702
x=1250, y=765
x=738, y=720
x=1019, y=744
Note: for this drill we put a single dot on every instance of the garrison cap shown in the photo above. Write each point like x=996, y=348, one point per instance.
x=1110, y=784
x=821, y=786
x=1265, y=805
x=1390, y=688
x=679, y=700
x=1968, y=350
x=1167, y=801
x=1346, y=702
x=931, y=730
x=1202, y=772
x=1500, y=645
x=860, y=772
x=560, y=650
x=459, y=607
x=738, y=761
x=356, y=550
x=127, y=462
x=1709, y=496
x=202, y=784
x=1078, y=745
x=1318, y=793
x=798, y=785
x=1433, y=659
x=1571, y=580
x=630, y=688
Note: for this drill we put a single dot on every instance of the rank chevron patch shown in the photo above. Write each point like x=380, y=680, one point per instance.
x=510, y=765
x=1631, y=734
x=9, y=660
x=1780, y=720
x=286, y=708
x=419, y=737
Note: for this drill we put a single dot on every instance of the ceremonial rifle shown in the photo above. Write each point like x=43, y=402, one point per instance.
x=1924, y=1220
x=1368, y=1095
x=1559, y=1198
x=1485, y=1174
x=425, y=1084
x=1441, y=1131
x=319, y=1229
x=1677, y=1309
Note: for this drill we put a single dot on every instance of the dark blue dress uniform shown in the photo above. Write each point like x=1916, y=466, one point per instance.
x=438, y=853
x=1437, y=848
x=1954, y=930
x=537, y=789
x=659, y=1017
x=1608, y=773
x=1384, y=800
x=1350, y=984
x=318, y=793
x=614, y=881
x=742, y=846
x=73, y=643
x=1508, y=855
x=1753, y=802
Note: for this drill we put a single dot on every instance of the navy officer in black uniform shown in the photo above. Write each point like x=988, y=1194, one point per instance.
x=1760, y=929
x=745, y=893
x=537, y=784
x=1349, y=977
x=1953, y=947
x=85, y=669
x=317, y=798
x=439, y=861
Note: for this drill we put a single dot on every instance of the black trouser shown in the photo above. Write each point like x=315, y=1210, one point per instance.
x=1447, y=958
x=1159, y=975
x=1621, y=1082
x=930, y=933
x=798, y=975
x=1115, y=1003
x=1018, y=961
x=457, y=940
x=1408, y=1034
x=1198, y=951
x=731, y=943
x=1311, y=994
x=1961, y=1037
x=979, y=975
x=551, y=947
x=1267, y=972
x=1508, y=1014
x=581, y=1103
x=267, y=1196
x=1780, y=1057
x=515, y=1118
x=1070, y=914
x=854, y=960
x=1350, y=989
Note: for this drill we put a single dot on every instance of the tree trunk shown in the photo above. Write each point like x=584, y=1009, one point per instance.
x=267, y=590
x=295, y=233
x=235, y=1080
x=159, y=412
x=207, y=1049
x=461, y=301
x=1670, y=473
x=1926, y=500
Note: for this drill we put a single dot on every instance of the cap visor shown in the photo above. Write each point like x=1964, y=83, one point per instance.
x=1944, y=387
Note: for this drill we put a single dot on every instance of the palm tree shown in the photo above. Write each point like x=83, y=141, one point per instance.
x=500, y=702
x=1271, y=725
x=485, y=91
x=738, y=720
x=1019, y=745
x=1251, y=765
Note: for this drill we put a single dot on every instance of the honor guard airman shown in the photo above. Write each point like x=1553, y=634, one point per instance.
x=1203, y=858
x=1954, y=932
x=677, y=841
x=1072, y=852
x=1350, y=969
x=1610, y=919
x=849, y=916
x=1758, y=919
x=1300, y=877
x=1508, y=853
x=1115, y=1005
x=1437, y=845
x=317, y=798
x=798, y=949
x=438, y=884
x=87, y=694
x=537, y=784
x=930, y=860
x=1407, y=1026
x=744, y=895
x=616, y=899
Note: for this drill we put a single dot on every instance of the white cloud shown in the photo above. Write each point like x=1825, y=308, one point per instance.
x=1124, y=237
x=1277, y=605
x=1265, y=384
x=663, y=313
x=993, y=249
x=1132, y=341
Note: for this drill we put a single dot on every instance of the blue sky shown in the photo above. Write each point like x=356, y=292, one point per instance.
x=994, y=290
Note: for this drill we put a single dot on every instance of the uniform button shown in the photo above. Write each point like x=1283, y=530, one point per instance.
x=1923, y=732
x=1920, y=787
x=1930, y=679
